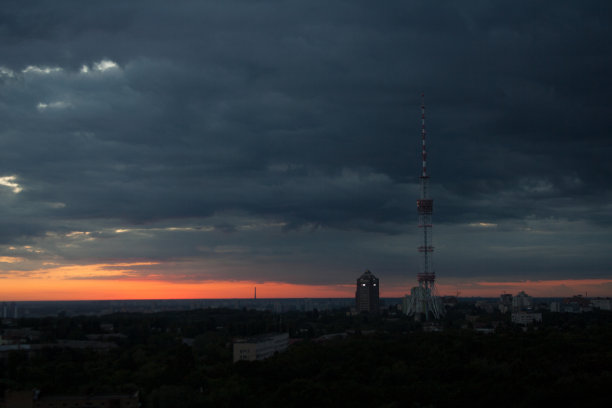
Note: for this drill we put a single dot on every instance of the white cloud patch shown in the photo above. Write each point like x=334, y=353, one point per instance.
x=6, y=72
x=482, y=225
x=53, y=105
x=102, y=66
x=41, y=70
x=9, y=181
x=78, y=234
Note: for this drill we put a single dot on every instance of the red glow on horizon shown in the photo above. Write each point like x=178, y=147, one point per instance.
x=22, y=290
x=538, y=288
x=118, y=281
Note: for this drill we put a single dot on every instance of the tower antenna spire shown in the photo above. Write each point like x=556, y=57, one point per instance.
x=423, y=136
x=423, y=299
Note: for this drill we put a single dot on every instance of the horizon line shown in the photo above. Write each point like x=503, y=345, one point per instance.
x=275, y=298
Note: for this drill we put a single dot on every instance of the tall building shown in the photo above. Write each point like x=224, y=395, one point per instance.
x=505, y=302
x=10, y=310
x=522, y=301
x=367, y=293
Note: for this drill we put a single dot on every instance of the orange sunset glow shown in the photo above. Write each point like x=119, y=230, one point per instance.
x=48, y=289
x=111, y=281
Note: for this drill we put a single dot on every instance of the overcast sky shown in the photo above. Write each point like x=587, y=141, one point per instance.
x=278, y=141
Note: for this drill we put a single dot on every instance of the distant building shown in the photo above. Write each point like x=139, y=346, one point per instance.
x=526, y=318
x=20, y=335
x=484, y=330
x=522, y=302
x=486, y=306
x=260, y=347
x=367, y=293
x=505, y=303
x=603, y=304
x=577, y=304
x=10, y=310
x=555, y=307
x=578, y=300
x=36, y=399
x=450, y=301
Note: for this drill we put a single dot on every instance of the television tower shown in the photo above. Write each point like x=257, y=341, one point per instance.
x=423, y=299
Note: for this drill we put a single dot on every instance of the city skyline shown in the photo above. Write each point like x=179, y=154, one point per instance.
x=197, y=150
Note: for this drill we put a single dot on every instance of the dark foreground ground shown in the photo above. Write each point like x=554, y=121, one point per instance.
x=183, y=359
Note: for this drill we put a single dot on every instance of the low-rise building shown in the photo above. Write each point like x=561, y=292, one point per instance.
x=555, y=307
x=485, y=305
x=36, y=399
x=603, y=304
x=260, y=347
x=574, y=304
x=526, y=318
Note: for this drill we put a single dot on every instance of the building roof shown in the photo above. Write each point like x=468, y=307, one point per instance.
x=261, y=338
x=367, y=275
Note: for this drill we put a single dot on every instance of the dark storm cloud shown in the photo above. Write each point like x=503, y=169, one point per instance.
x=303, y=115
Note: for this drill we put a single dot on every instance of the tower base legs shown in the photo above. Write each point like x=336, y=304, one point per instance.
x=423, y=302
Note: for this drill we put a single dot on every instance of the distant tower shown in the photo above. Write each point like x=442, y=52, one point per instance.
x=367, y=293
x=423, y=299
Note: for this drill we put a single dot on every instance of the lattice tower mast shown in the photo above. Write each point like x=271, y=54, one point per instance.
x=425, y=210
x=427, y=301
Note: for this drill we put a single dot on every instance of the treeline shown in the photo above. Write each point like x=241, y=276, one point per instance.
x=397, y=366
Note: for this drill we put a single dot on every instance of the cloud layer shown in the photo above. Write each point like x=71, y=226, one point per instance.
x=279, y=140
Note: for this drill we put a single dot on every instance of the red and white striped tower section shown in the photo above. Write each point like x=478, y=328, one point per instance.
x=423, y=299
